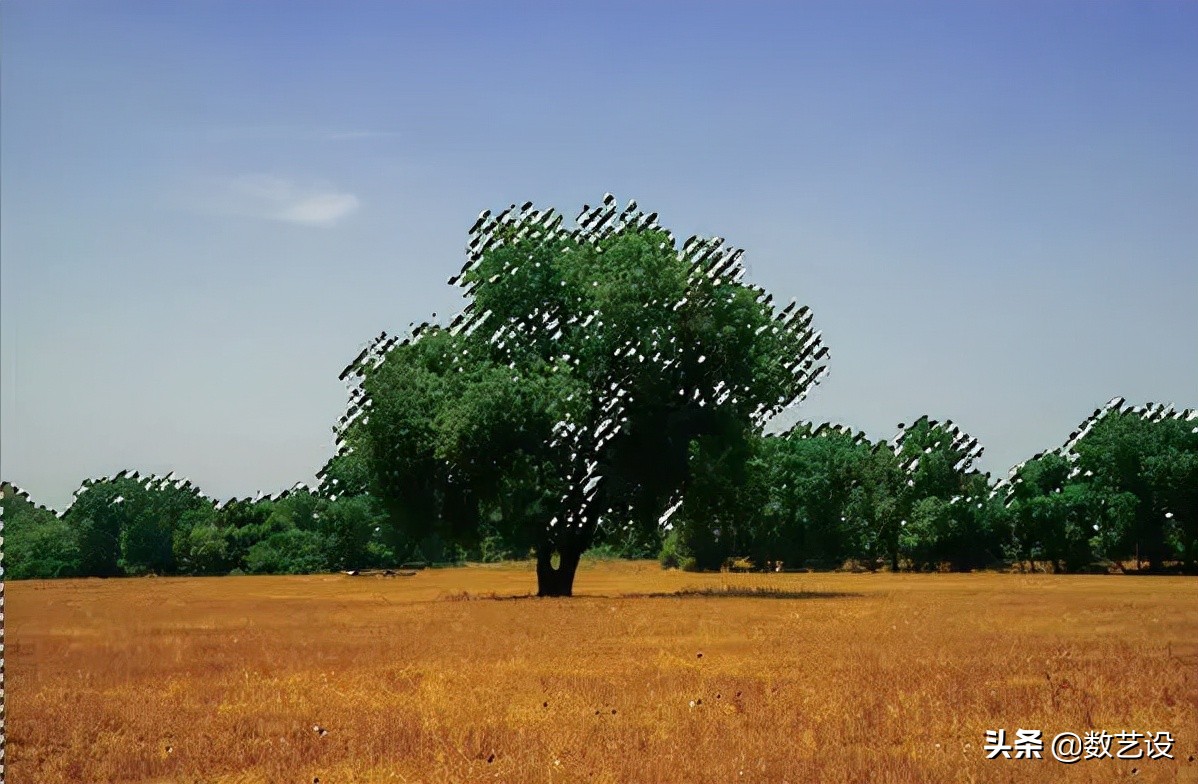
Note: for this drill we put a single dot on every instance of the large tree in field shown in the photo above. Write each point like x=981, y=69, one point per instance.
x=568, y=393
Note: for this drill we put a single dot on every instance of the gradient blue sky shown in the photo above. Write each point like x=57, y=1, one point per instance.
x=209, y=207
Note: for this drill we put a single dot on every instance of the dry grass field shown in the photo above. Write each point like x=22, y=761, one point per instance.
x=456, y=676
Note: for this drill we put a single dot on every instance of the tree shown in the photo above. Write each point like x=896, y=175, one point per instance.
x=1173, y=473
x=587, y=362
x=919, y=493
x=154, y=511
x=723, y=512
x=246, y=522
x=126, y=524
x=811, y=476
x=1125, y=484
x=874, y=506
x=96, y=518
x=37, y=544
x=292, y=551
x=206, y=550
x=348, y=525
x=1147, y=454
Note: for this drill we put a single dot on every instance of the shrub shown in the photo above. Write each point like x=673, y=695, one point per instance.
x=673, y=552
x=205, y=550
x=491, y=547
x=736, y=564
x=288, y=552
x=603, y=552
x=40, y=550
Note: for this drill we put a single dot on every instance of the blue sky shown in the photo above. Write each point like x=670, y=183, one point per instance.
x=208, y=208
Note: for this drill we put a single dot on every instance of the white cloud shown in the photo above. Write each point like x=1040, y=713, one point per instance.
x=277, y=198
x=322, y=209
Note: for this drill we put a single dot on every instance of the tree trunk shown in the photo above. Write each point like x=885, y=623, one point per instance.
x=559, y=581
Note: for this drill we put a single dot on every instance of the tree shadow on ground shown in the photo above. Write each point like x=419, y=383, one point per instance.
x=721, y=592
x=743, y=592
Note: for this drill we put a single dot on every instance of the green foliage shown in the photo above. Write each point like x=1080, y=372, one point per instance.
x=380, y=556
x=1126, y=490
x=491, y=546
x=810, y=479
x=206, y=550
x=300, y=508
x=36, y=543
x=293, y=551
x=721, y=512
x=460, y=430
x=675, y=554
x=346, y=474
x=602, y=552
x=126, y=524
x=348, y=525
x=873, y=508
x=1128, y=455
x=247, y=522
x=96, y=519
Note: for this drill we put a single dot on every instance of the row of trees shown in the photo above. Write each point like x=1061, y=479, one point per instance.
x=131, y=525
x=1127, y=490
x=604, y=386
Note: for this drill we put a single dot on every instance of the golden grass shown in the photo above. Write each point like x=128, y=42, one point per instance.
x=445, y=677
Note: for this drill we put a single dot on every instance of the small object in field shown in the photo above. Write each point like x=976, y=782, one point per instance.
x=351, y=573
x=319, y=730
x=700, y=654
x=544, y=704
x=491, y=758
x=613, y=711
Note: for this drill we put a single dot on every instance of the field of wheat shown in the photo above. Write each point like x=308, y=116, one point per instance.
x=457, y=675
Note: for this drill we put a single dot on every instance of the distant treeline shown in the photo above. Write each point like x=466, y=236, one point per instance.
x=1125, y=490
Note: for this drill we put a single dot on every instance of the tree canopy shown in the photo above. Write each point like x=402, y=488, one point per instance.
x=586, y=363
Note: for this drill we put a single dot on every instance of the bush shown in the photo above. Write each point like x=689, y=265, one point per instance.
x=491, y=547
x=379, y=556
x=603, y=552
x=432, y=549
x=736, y=564
x=673, y=552
x=288, y=552
x=40, y=550
x=205, y=550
